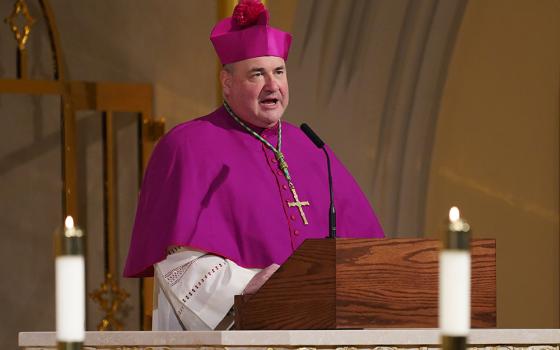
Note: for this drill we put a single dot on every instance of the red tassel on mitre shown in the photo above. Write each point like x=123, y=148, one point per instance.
x=247, y=12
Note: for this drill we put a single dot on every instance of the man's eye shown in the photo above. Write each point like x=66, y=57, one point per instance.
x=280, y=72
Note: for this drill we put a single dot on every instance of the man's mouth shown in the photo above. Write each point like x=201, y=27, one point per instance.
x=269, y=101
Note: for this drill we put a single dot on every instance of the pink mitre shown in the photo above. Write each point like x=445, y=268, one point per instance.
x=246, y=34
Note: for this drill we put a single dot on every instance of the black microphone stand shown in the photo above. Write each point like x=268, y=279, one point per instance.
x=320, y=144
x=332, y=211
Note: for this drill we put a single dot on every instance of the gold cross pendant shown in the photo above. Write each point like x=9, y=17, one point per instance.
x=298, y=204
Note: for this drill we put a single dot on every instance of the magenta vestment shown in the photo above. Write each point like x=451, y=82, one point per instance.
x=213, y=186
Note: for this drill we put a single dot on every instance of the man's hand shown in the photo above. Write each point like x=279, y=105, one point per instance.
x=260, y=278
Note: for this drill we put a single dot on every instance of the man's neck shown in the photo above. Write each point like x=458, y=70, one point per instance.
x=258, y=128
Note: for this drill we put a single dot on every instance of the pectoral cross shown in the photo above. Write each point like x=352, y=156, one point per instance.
x=298, y=204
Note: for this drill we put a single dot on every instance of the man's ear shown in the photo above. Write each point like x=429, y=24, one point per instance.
x=225, y=80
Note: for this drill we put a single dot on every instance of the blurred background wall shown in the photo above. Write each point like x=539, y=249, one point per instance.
x=496, y=149
x=429, y=104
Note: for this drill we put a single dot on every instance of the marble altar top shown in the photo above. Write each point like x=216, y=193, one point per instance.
x=388, y=337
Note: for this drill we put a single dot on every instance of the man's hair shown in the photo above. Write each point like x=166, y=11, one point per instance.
x=228, y=67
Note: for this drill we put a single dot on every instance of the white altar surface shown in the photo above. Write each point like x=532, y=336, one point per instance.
x=381, y=339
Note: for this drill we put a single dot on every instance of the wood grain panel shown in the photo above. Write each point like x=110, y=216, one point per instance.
x=387, y=282
x=365, y=283
x=300, y=295
x=394, y=283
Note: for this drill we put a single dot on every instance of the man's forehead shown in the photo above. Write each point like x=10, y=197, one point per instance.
x=264, y=62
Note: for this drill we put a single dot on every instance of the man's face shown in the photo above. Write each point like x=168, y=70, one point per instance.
x=257, y=89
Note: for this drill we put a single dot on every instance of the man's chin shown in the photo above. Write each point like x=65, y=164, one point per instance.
x=270, y=119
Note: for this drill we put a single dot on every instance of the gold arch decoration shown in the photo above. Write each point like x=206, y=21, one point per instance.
x=106, y=97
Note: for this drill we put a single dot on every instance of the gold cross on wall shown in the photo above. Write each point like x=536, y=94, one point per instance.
x=298, y=204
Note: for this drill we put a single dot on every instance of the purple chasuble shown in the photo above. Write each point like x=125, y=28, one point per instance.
x=210, y=185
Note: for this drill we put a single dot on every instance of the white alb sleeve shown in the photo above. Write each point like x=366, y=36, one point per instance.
x=200, y=287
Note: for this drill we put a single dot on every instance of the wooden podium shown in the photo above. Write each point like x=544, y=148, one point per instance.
x=365, y=283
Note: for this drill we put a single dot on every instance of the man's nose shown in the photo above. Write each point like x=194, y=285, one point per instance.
x=271, y=84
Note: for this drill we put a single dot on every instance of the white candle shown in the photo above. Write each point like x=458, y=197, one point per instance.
x=455, y=281
x=455, y=293
x=70, y=288
x=70, y=301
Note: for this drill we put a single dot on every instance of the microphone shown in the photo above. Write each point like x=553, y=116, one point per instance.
x=320, y=144
x=312, y=135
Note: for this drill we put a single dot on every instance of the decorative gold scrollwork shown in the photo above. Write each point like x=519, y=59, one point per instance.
x=110, y=298
x=21, y=34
